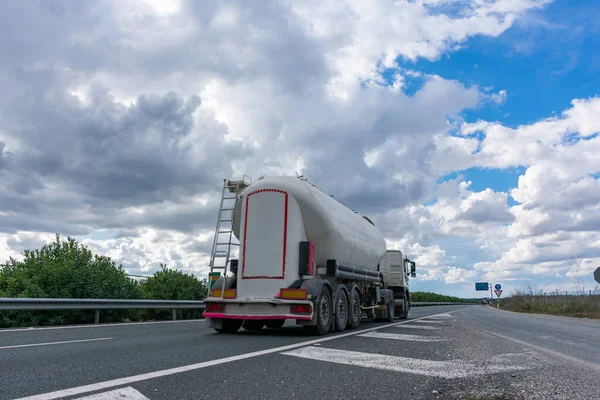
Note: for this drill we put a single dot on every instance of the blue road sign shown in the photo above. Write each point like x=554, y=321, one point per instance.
x=482, y=286
x=497, y=287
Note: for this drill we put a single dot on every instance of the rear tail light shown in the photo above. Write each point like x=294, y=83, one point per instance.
x=301, y=309
x=215, y=307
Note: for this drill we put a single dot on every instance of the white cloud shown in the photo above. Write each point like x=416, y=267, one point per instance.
x=166, y=100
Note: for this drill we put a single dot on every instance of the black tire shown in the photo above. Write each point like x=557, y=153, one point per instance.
x=391, y=315
x=354, y=311
x=275, y=323
x=323, y=313
x=404, y=314
x=230, y=326
x=341, y=312
x=253, y=325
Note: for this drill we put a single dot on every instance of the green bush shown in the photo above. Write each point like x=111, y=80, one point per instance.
x=64, y=269
x=67, y=269
x=169, y=284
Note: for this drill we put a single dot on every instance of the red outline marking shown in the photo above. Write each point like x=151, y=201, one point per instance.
x=285, y=194
x=254, y=317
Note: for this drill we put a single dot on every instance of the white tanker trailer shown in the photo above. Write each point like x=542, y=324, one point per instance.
x=306, y=257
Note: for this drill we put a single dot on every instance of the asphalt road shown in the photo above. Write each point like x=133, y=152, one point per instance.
x=445, y=352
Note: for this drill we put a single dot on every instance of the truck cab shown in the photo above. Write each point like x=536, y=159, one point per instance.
x=397, y=270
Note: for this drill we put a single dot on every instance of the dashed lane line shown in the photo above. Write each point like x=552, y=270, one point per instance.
x=396, y=336
x=426, y=321
x=417, y=326
x=52, y=343
x=46, y=328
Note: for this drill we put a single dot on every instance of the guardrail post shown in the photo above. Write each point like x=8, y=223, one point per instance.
x=174, y=314
x=96, y=317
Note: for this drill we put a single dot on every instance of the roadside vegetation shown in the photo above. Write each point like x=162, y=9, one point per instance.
x=580, y=304
x=433, y=297
x=68, y=269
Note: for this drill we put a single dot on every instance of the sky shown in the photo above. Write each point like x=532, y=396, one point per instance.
x=467, y=130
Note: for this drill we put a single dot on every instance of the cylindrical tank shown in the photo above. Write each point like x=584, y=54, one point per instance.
x=336, y=231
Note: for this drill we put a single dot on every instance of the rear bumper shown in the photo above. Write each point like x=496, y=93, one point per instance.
x=256, y=309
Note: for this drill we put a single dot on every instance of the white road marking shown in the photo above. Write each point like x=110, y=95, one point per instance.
x=396, y=336
x=439, y=369
x=191, y=367
x=582, y=363
x=126, y=393
x=426, y=321
x=98, y=326
x=50, y=343
x=441, y=316
x=417, y=326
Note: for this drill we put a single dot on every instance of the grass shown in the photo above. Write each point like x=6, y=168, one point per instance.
x=583, y=306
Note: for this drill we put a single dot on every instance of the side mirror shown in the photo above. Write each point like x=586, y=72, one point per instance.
x=413, y=269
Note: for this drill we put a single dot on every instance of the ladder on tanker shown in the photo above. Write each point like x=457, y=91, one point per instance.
x=223, y=243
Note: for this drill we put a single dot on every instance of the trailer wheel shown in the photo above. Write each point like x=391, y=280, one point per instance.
x=230, y=326
x=252, y=325
x=341, y=312
x=323, y=314
x=355, y=311
x=275, y=323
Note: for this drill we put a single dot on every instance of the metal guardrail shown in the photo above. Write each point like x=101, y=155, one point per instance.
x=16, y=304
x=96, y=304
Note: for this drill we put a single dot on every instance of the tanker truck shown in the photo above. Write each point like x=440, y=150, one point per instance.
x=303, y=256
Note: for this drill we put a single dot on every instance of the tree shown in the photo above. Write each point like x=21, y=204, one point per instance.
x=63, y=269
x=170, y=284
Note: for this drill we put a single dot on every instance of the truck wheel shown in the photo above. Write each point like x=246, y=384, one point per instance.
x=404, y=314
x=252, y=325
x=341, y=312
x=275, y=323
x=354, y=311
x=323, y=308
x=391, y=306
x=230, y=326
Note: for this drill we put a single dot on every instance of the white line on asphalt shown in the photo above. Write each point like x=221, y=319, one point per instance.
x=426, y=321
x=50, y=343
x=441, y=316
x=440, y=369
x=582, y=363
x=98, y=326
x=126, y=393
x=191, y=367
x=417, y=326
x=415, y=338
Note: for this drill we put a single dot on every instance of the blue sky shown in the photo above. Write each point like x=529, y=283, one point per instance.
x=543, y=62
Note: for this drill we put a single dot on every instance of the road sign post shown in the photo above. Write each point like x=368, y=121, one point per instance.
x=597, y=275
x=498, y=292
